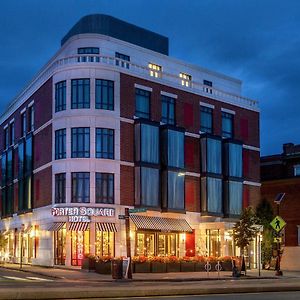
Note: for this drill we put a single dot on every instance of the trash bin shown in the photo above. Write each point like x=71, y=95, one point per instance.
x=116, y=269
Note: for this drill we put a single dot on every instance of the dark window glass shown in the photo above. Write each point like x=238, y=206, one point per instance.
x=80, y=93
x=80, y=143
x=227, y=125
x=9, y=166
x=21, y=159
x=28, y=156
x=31, y=118
x=4, y=168
x=10, y=200
x=122, y=60
x=23, y=124
x=60, y=188
x=207, y=86
x=104, y=94
x=6, y=138
x=233, y=197
x=12, y=133
x=206, y=119
x=104, y=143
x=60, y=144
x=60, y=96
x=104, y=188
x=168, y=110
x=207, y=82
x=147, y=187
x=88, y=50
x=81, y=187
x=142, y=103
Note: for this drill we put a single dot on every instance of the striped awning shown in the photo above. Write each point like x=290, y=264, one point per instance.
x=56, y=226
x=78, y=226
x=111, y=227
x=27, y=229
x=160, y=224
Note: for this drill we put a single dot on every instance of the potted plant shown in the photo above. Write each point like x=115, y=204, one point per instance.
x=187, y=264
x=158, y=264
x=173, y=264
x=103, y=265
x=141, y=264
x=213, y=262
x=88, y=262
x=200, y=263
x=226, y=262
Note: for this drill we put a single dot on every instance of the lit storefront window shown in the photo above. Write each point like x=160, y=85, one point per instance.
x=213, y=243
x=80, y=245
x=104, y=244
x=60, y=246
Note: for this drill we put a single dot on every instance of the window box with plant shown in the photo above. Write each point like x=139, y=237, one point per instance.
x=141, y=264
x=200, y=262
x=88, y=262
x=173, y=264
x=226, y=263
x=103, y=265
x=158, y=264
x=187, y=264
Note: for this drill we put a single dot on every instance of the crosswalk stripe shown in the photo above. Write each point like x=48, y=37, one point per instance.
x=16, y=278
x=38, y=278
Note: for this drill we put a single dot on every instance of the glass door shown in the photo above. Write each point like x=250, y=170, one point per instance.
x=60, y=246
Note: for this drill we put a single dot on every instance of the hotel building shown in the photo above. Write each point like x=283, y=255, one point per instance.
x=113, y=122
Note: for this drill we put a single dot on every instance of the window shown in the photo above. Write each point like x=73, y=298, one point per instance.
x=60, y=144
x=142, y=103
x=31, y=118
x=147, y=187
x=233, y=198
x=121, y=60
x=88, y=50
x=12, y=133
x=60, y=188
x=3, y=168
x=186, y=79
x=297, y=170
x=211, y=195
x=80, y=93
x=6, y=138
x=80, y=143
x=227, y=125
x=105, y=188
x=23, y=124
x=211, y=155
x=60, y=96
x=206, y=119
x=155, y=70
x=104, y=94
x=207, y=86
x=81, y=187
x=147, y=143
x=168, y=110
x=28, y=156
x=104, y=143
x=233, y=160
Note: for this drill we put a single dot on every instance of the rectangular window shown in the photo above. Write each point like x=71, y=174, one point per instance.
x=12, y=133
x=105, y=188
x=207, y=86
x=60, y=188
x=122, y=60
x=104, y=143
x=88, y=50
x=31, y=118
x=211, y=156
x=6, y=138
x=147, y=143
x=21, y=159
x=28, y=156
x=233, y=198
x=80, y=93
x=4, y=168
x=81, y=187
x=211, y=195
x=234, y=160
x=104, y=94
x=297, y=170
x=10, y=167
x=206, y=119
x=147, y=187
x=168, y=110
x=142, y=103
x=186, y=79
x=155, y=70
x=60, y=144
x=60, y=96
x=23, y=124
x=80, y=142
x=227, y=125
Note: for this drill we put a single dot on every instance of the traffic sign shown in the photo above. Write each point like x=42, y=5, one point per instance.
x=137, y=210
x=122, y=217
x=277, y=239
x=278, y=223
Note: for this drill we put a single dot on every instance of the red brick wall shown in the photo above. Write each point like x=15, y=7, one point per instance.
x=192, y=194
x=43, y=147
x=127, y=185
x=127, y=142
x=42, y=188
x=192, y=154
x=251, y=165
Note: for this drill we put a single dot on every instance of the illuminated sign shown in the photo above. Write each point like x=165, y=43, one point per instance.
x=82, y=214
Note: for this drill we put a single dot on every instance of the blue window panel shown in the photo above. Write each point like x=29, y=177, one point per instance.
x=142, y=103
x=176, y=191
x=214, y=195
x=235, y=197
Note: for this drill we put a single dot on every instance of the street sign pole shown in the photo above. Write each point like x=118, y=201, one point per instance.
x=278, y=271
x=128, y=247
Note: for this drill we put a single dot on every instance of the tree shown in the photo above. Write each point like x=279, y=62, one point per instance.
x=265, y=214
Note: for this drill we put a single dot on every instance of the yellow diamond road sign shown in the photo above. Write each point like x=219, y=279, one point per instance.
x=277, y=240
x=278, y=223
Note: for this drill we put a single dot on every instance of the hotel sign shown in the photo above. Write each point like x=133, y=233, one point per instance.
x=82, y=214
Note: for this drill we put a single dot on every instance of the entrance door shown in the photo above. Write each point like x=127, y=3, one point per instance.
x=60, y=246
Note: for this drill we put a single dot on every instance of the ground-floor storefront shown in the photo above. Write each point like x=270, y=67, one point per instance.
x=64, y=235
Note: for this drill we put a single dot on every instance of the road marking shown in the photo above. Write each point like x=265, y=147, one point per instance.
x=38, y=278
x=16, y=278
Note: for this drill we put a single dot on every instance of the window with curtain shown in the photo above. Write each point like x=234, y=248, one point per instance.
x=175, y=190
x=104, y=94
x=142, y=103
x=206, y=119
x=81, y=187
x=104, y=143
x=227, y=125
x=60, y=96
x=105, y=188
x=211, y=155
x=80, y=93
x=60, y=188
x=235, y=197
x=147, y=186
x=60, y=143
x=168, y=110
x=80, y=142
x=235, y=160
x=214, y=195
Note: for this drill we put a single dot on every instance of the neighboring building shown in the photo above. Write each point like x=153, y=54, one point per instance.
x=112, y=122
x=281, y=174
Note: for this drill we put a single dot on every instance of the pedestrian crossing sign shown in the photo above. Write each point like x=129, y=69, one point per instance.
x=278, y=223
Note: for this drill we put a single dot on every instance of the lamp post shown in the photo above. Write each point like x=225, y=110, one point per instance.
x=21, y=250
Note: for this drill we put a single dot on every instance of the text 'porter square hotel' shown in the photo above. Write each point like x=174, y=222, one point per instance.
x=113, y=122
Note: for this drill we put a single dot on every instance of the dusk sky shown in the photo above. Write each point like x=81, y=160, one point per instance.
x=255, y=41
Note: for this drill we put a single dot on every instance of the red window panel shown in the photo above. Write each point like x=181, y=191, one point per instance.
x=189, y=152
x=190, y=195
x=244, y=127
x=245, y=163
x=246, y=196
x=188, y=115
x=190, y=244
